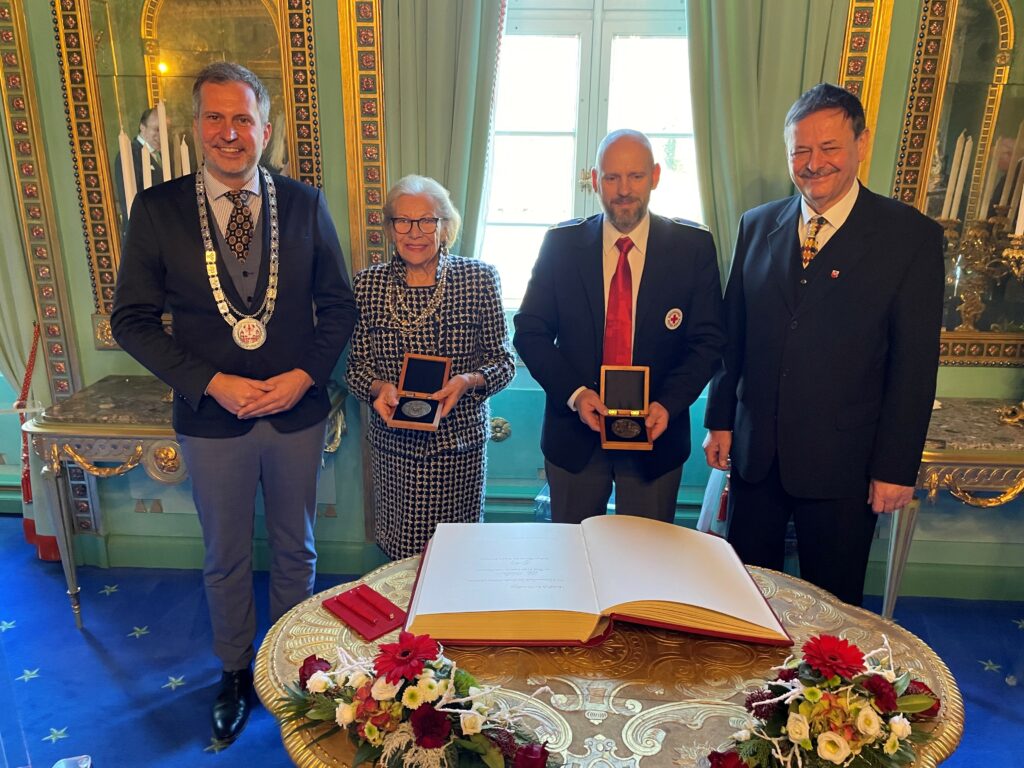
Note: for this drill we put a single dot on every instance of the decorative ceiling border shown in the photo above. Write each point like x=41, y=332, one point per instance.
x=363, y=95
x=924, y=100
x=35, y=203
x=862, y=68
x=96, y=201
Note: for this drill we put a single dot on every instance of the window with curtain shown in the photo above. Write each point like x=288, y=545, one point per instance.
x=569, y=72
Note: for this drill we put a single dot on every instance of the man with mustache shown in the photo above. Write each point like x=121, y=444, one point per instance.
x=626, y=287
x=833, y=309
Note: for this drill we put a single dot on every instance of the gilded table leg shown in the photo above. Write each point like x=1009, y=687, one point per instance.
x=64, y=532
x=901, y=534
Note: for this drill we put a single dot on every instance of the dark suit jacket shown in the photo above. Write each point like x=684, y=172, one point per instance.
x=840, y=387
x=163, y=265
x=560, y=332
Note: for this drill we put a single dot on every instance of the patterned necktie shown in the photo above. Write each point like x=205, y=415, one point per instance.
x=239, y=230
x=618, y=325
x=810, y=247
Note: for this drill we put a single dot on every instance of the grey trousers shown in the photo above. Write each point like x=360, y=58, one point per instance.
x=225, y=474
x=576, y=496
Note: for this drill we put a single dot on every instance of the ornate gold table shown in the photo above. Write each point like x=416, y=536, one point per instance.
x=665, y=698
x=967, y=450
x=120, y=420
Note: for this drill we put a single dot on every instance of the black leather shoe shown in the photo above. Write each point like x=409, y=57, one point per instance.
x=233, y=704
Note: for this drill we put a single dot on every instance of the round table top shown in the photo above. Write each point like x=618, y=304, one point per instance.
x=666, y=697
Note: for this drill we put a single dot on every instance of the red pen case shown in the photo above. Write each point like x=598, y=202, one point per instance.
x=366, y=610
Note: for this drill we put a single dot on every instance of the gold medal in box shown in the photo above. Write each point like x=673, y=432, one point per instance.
x=625, y=392
x=422, y=376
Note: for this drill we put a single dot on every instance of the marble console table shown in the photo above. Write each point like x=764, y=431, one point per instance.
x=119, y=420
x=967, y=450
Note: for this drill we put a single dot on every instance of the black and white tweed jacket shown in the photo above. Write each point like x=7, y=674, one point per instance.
x=469, y=327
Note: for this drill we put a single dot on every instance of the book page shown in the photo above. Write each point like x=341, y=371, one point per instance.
x=473, y=567
x=635, y=559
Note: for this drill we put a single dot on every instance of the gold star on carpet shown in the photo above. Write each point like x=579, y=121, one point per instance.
x=138, y=632
x=56, y=735
x=216, y=745
x=1019, y=623
x=108, y=590
x=29, y=674
x=989, y=665
x=5, y=625
x=174, y=682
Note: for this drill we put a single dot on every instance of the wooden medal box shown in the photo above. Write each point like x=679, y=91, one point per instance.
x=422, y=376
x=625, y=392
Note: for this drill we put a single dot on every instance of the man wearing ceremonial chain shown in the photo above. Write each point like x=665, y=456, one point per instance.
x=250, y=268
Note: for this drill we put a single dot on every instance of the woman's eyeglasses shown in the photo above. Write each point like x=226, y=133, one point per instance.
x=403, y=226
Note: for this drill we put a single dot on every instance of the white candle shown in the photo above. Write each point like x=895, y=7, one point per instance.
x=1019, y=229
x=127, y=169
x=954, y=170
x=1018, y=179
x=961, y=179
x=1018, y=148
x=186, y=166
x=990, y=180
x=147, y=171
x=165, y=142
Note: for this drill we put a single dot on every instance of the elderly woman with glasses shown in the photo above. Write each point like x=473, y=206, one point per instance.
x=427, y=301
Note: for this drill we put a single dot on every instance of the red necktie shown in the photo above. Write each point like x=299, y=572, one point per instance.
x=618, y=324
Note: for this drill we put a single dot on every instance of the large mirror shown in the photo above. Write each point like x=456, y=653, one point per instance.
x=120, y=58
x=961, y=161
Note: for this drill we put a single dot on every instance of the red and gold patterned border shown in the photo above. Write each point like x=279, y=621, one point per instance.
x=924, y=100
x=978, y=348
x=363, y=95
x=88, y=150
x=298, y=55
x=35, y=203
x=863, y=64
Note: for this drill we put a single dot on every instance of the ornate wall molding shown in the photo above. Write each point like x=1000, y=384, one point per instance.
x=967, y=348
x=862, y=68
x=924, y=100
x=34, y=198
x=363, y=95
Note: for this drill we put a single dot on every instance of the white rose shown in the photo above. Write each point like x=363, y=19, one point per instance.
x=833, y=747
x=382, y=690
x=741, y=735
x=318, y=682
x=358, y=679
x=797, y=727
x=900, y=726
x=868, y=722
x=345, y=714
x=471, y=722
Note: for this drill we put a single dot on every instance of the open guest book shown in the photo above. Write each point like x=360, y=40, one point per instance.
x=559, y=584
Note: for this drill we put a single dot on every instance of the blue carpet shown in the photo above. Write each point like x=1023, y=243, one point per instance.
x=134, y=688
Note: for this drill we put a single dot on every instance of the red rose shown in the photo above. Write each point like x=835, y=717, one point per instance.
x=404, y=659
x=430, y=727
x=831, y=655
x=531, y=756
x=785, y=675
x=917, y=687
x=726, y=760
x=882, y=691
x=310, y=665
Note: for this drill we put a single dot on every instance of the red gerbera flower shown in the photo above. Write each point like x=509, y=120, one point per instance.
x=831, y=655
x=882, y=691
x=404, y=659
x=430, y=727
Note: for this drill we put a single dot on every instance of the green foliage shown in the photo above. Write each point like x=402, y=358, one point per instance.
x=914, y=703
x=366, y=753
x=755, y=752
x=480, y=745
x=463, y=682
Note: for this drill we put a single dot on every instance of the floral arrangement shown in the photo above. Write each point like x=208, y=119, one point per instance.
x=411, y=707
x=834, y=706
